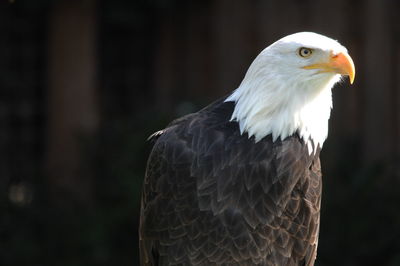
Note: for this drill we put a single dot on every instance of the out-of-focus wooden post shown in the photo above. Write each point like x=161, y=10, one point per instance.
x=397, y=105
x=233, y=43
x=378, y=119
x=72, y=107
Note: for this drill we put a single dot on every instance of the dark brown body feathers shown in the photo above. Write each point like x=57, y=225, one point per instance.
x=212, y=196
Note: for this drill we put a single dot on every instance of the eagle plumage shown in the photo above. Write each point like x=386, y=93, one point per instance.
x=215, y=194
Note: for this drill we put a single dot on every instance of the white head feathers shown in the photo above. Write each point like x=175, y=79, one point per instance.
x=280, y=96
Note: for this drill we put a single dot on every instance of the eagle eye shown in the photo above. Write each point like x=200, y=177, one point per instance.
x=305, y=52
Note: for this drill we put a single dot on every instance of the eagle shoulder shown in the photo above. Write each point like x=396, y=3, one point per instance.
x=212, y=194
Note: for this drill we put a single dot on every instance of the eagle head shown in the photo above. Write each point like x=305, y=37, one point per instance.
x=287, y=88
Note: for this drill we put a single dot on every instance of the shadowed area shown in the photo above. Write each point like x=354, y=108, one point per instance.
x=84, y=83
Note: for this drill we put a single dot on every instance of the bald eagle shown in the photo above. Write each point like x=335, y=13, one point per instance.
x=239, y=182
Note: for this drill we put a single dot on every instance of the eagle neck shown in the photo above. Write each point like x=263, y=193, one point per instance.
x=269, y=106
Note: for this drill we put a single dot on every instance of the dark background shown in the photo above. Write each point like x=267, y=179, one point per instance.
x=84, y=83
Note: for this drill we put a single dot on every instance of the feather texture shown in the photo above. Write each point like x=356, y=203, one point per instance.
x=215, y=197
x=279, y=97
x=239, y=182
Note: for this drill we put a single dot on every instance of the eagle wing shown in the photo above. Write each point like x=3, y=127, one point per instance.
x=212, y=196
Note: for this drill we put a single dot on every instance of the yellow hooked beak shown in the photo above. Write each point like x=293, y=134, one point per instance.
x=340, y=63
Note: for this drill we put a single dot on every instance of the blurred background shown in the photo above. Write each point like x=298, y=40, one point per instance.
x=84, y=83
